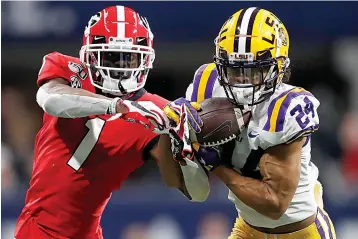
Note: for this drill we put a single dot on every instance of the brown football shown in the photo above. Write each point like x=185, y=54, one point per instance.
x=222, y=122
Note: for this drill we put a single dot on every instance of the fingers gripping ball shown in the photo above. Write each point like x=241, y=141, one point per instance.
x=180, y=108
x=174, y=116
x=222, y=122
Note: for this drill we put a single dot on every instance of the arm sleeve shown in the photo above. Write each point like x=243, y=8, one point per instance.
x=150, y=138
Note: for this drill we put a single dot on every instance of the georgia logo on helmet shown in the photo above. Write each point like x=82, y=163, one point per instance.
x=118, y=50
x=251, y=55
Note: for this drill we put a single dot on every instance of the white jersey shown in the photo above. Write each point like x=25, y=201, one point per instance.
x=290, y=113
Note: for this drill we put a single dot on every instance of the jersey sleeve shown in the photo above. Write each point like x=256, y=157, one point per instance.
x=146, y=142
x=52, y=68
x=203, y=83
x=150, y=139
x=289, y=117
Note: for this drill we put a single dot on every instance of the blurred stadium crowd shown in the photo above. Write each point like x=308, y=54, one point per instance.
x=324, y=57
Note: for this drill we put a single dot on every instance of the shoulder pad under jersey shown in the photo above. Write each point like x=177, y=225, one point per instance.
x=57, y=65
x=290, y=115
x=203, y=83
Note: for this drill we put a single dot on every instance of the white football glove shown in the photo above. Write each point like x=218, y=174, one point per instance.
x=181, y=140
x=157, y=120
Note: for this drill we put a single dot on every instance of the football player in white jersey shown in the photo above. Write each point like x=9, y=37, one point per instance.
x=268, y=169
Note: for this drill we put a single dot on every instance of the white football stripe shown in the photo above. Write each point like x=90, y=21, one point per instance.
x=243, y=29
x=121, y=29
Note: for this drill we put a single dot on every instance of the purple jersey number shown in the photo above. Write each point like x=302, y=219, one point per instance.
x=309, y=109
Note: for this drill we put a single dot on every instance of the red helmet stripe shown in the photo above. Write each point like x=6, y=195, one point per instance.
x=131, y=17
x=109, y=19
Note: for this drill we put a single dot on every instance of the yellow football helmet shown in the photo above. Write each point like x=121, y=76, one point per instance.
x=251, y=55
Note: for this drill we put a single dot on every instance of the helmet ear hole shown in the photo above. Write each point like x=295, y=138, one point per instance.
x=223, y=53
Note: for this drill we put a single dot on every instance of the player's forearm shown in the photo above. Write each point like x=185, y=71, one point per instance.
x=171, y=174
x=254, y=193
x=61, y=100
x=168, y=168
x=192, y=181
x=173, y=177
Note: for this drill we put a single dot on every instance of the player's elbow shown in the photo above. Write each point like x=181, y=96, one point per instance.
x=276, y=209
x=276, y=213
x=48, y=101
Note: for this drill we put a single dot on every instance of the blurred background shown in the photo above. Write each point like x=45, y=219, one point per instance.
x=324, y=56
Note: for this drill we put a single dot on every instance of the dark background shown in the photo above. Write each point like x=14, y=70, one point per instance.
x=324, y=56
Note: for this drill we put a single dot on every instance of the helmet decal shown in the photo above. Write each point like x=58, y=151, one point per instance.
x=94, y=19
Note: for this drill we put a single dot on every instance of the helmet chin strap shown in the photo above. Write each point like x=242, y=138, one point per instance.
x=114, y=86
x=245, y=95
x=121, y=85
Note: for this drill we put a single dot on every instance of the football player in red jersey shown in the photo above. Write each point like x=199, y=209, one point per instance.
x=85, y=150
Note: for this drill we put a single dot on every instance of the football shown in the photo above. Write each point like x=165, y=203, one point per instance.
x=222, y=122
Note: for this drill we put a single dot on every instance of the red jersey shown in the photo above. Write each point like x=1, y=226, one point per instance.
x=79, y=162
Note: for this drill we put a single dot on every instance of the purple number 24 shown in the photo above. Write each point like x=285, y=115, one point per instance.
x=308, y=109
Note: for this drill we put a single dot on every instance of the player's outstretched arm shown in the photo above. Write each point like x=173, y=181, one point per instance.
x=57, y=98
x=280, y=169
x=168, y=168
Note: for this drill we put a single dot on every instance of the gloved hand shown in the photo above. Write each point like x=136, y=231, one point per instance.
x=180, y=138
x=155, y=119
x=210, y=157
x=175, y=110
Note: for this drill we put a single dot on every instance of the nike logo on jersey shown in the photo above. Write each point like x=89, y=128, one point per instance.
x=253, y=135
x=225, y=124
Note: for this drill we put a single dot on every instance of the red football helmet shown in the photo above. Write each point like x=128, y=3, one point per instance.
x=118, y=50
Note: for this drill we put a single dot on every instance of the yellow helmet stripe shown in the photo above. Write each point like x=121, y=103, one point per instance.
x=250, y=28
